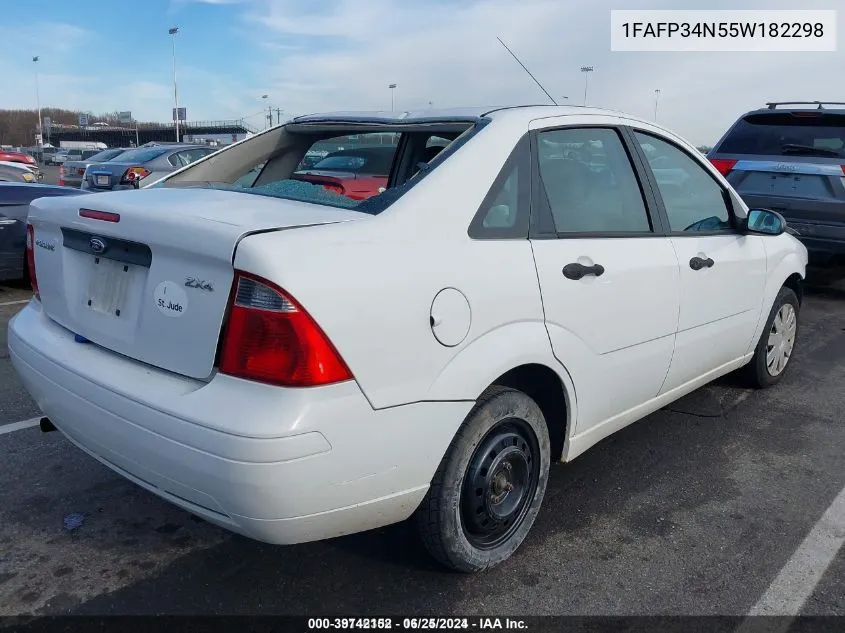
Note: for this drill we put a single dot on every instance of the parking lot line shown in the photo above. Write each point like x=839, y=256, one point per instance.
x=17, y=426
x=13, y=303
x=804, y=570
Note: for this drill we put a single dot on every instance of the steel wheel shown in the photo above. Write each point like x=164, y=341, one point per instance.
x=499, y=484
x=781, y=339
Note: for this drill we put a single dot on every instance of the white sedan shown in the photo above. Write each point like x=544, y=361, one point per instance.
x=247, y=342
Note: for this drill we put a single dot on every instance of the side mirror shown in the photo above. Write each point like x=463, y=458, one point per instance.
x=765, y=222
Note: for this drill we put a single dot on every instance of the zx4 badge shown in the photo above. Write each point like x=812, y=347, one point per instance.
x=194, y=282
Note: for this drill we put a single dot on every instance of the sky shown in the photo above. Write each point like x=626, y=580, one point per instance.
x=308, y=56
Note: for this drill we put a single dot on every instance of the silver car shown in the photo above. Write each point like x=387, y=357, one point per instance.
x=129, y=169
x=19, y=172
x=72, y=172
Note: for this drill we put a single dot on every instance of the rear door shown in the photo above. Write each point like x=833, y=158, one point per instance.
x=790, y=162
x=608, y=274
x=723, y=271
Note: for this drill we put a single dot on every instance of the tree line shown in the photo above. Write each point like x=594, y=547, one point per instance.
x=18, y=127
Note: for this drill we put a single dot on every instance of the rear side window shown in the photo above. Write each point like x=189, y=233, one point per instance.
x=504, y=211
x=375, y=161
x=141, y=155
x=184, y=158
x=787, y=134
x=589, y=182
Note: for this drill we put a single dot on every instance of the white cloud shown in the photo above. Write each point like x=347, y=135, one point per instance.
x=447, y=53
x=342, y=54
x=44, y=39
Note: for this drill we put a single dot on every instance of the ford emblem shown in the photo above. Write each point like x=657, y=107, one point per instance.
x=97, y=245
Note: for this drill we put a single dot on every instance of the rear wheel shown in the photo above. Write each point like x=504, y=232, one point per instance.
x=777, y=342
x=488, y=489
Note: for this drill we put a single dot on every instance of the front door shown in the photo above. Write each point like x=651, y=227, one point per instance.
x=608, y=277
x=722, y=271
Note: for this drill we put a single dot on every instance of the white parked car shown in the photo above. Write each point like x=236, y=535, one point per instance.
x=294, y=365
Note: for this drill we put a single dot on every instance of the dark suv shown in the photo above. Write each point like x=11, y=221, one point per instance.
x=790, y=157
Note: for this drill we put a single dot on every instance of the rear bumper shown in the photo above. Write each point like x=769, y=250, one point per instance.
x=86, y=185
x=818, y=237
x=812, y=219
x=277, y=465
x=10, y=270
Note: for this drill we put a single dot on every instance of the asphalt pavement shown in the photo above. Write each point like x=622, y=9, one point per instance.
x=51, y=174
x=696, y=509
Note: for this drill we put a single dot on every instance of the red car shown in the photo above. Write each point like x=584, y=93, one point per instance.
x=356, y=173
x=17, y=157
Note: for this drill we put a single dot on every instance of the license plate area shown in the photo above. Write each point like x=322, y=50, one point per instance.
x=102, y=181
x=108, y=287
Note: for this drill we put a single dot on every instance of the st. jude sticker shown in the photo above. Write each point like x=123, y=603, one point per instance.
x=170, y=299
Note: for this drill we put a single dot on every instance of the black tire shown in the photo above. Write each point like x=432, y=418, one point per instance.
x=502, y=452
x=757, y=371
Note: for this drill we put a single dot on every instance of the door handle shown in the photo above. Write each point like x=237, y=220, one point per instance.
x=577, y=271
x=697, y=263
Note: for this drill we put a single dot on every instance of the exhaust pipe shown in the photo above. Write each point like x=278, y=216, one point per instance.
x=46, y=425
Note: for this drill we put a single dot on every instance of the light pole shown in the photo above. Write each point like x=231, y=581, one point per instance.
x=269, y=111
x=173, y=31
x=392, y=92
x=38, y=103
x=586, y=70
x=656, y=100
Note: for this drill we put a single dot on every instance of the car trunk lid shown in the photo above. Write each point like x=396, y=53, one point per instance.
x=788, y=160
x=153, y=285
x=801, y=189
x=106, y=175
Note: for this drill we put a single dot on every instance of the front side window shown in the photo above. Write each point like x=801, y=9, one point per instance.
x=589, y=182
x=694, y=201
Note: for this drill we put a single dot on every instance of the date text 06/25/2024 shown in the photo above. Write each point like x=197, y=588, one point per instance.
x=417, y=623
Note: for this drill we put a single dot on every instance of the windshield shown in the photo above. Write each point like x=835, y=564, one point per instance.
x=787, y=134
x=139, y=155
x=366, y=160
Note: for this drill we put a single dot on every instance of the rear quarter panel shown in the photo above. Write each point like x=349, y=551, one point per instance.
x=373, y=297
x=370, y=284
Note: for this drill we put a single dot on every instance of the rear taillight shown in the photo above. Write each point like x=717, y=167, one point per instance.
x=30, y=259
x=724, y=165
x=80, y=171
x=134, y=174
x=843, y=169
x=270, y=338
x=61, y=180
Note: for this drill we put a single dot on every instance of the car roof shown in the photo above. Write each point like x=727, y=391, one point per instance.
x=467, y=114
x=788, y=107
x=8, y=163
x=24, y=193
